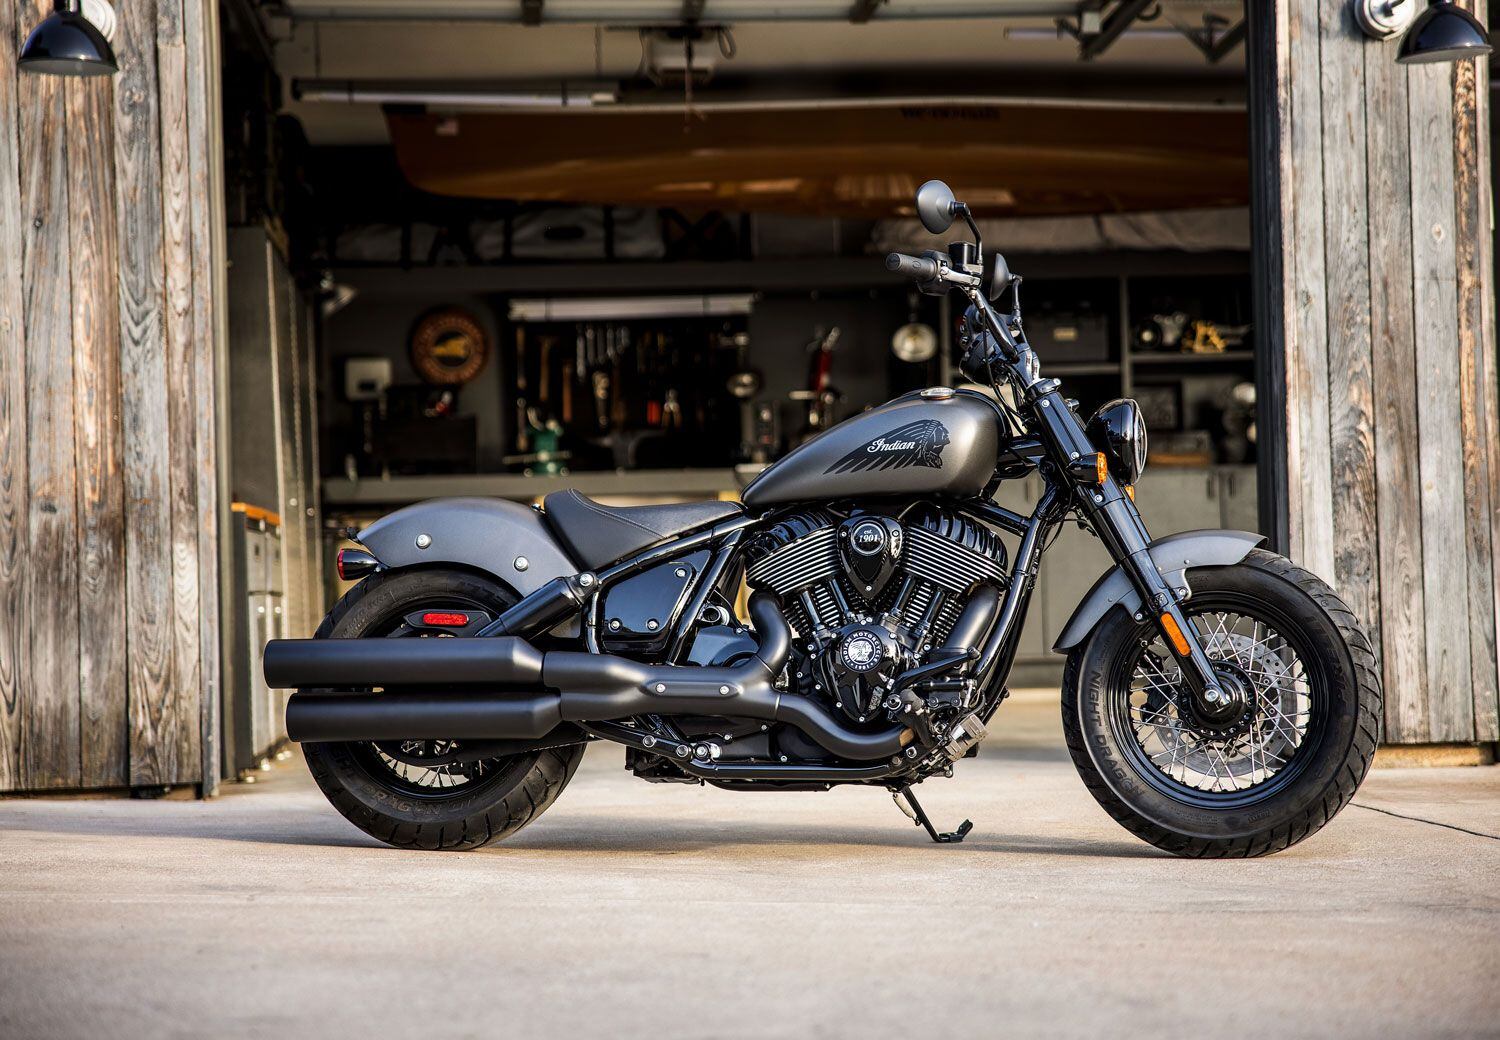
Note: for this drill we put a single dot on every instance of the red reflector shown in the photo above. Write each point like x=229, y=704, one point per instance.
x=445, y=620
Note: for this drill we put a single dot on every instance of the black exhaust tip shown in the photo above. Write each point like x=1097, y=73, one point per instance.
x=345, y=663
x=317, y=715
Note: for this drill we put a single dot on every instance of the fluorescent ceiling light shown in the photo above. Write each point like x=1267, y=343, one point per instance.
x=625, y=308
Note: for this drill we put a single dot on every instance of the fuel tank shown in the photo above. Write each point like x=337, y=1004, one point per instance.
x=933, y=442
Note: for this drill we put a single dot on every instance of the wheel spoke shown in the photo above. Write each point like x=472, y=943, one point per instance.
x=1244, y=754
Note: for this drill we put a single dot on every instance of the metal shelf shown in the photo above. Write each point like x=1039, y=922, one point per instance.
x=1227, y=357
x=1080, y=368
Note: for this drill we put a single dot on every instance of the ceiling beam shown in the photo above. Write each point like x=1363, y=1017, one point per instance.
x=863, y=11
x=631, y=16
x=1115, y=23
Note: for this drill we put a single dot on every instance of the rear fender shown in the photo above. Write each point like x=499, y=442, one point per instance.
x=1174, y=555
x=505, y=539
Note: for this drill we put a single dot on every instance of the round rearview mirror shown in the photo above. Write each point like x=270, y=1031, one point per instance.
x=1000, y=277
x=935, y=206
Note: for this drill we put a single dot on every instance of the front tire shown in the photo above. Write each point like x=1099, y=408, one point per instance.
x=1249, y=786
x=452, y=807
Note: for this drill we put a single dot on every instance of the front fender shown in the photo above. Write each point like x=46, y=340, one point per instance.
x=1173, y=555
x=502, y=538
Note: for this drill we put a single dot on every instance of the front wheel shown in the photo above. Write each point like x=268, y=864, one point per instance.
x=1260, y=778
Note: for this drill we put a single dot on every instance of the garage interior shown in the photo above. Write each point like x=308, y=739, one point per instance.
x=498, y=249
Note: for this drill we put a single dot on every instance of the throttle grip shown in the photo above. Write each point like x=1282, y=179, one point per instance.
x=919, y=267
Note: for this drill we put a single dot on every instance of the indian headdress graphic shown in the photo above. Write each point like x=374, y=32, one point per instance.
x=919, y=443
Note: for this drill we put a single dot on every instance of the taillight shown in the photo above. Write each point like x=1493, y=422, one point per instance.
x=353, y=564
x=437, y=619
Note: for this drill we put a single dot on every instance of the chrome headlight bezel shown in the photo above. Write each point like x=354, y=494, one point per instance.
x=1119, y=430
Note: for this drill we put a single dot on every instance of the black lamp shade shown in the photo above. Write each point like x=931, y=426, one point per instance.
x=67, y=44
x=1443, y=32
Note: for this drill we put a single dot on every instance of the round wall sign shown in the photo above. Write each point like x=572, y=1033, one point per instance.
x=448, y=347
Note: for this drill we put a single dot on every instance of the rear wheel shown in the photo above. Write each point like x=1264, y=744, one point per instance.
x=429, y=794
x=1246, y=782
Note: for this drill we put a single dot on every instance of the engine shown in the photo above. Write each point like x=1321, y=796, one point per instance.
x=869, y=594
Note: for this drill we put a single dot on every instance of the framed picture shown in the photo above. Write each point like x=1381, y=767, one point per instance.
x=1161, y=405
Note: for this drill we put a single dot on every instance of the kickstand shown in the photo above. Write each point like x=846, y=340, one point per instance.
x=913, y=809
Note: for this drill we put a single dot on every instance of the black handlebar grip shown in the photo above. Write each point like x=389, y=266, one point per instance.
x=918, y=267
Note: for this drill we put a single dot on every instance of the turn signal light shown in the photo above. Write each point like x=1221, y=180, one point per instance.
x=1090, y=469
x=1174, y=633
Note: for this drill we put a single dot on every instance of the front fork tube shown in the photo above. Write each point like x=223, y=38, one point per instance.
x=1114, y=518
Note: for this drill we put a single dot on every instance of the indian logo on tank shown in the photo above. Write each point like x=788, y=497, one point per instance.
x=919, y=443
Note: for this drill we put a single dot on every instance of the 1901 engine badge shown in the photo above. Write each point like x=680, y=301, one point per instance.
x=861, y=651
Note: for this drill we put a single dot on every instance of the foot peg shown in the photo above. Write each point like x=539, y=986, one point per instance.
x=913, y=809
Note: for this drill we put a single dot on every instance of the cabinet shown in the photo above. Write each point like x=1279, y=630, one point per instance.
x=253, y=713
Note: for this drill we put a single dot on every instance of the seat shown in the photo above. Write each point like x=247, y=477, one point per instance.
x=597, y=534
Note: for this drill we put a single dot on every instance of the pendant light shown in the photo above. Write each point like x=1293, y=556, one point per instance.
x=67, y=44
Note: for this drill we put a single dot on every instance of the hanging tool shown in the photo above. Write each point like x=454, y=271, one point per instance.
x=523, y=431
x=601, y=399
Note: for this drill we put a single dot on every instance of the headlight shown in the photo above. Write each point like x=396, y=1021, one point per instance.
x=1118, y=430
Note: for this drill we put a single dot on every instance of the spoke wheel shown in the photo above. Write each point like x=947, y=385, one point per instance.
x=1244, y=779
x=1226, y=762
x=431, y=794
x=424, y=768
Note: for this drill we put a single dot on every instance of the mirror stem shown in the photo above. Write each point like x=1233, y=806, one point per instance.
x=962, y=209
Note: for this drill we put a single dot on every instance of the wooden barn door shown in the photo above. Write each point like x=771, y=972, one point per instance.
x=1375, y=303
x=109, y=652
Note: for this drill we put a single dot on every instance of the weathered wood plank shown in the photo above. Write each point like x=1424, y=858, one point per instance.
x=1346, y=246
x=1309, y=484
x=1444, y=573
x=94, y=249
x=1401, y=632
x=50, y=743
x=185, y=686
x=154, y=741
x=1472, y=232
x=1489, y=380
x=13, y=497
x=201, y=39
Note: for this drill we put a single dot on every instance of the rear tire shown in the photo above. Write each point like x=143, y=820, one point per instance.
x=508, y=793
x=1296, y=795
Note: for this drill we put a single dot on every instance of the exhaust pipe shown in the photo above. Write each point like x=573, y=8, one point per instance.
x=570, y=687
x=342, y=663
x=319, y=715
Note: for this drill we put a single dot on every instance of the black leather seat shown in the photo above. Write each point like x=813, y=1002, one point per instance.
x=597, y=535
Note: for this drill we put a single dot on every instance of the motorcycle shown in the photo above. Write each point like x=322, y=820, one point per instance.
x=1218, y=700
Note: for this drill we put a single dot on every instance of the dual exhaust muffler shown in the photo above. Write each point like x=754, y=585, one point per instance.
x=504, y=688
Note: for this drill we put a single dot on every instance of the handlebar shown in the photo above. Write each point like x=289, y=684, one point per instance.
x=935, y=276
x=921, y=268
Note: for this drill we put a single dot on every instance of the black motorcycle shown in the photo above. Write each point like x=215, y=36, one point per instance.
x=1218, y=700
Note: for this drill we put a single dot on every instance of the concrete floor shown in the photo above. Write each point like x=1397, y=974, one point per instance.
x=642, y=910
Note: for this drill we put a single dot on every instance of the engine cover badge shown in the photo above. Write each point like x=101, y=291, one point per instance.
x=870, y=548
x=862, y=651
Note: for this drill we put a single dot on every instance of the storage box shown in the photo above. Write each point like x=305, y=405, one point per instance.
x=1064, y=336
